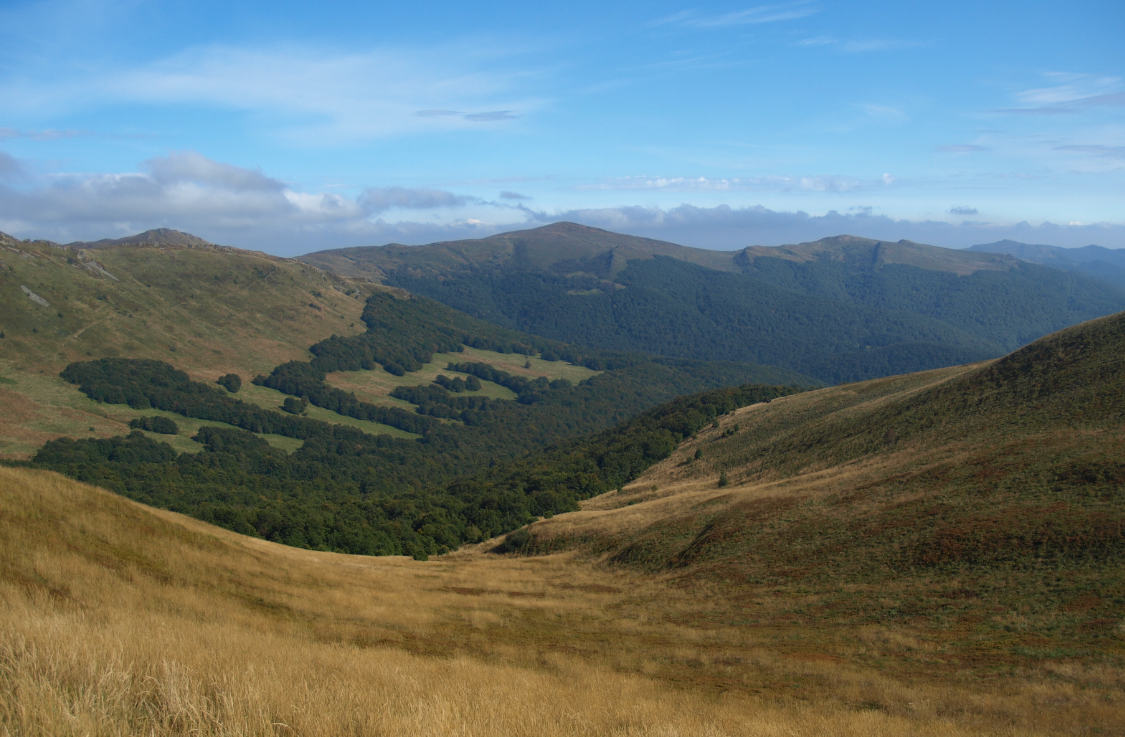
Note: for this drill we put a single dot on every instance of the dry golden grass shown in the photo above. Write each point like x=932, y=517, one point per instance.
x=119, y=619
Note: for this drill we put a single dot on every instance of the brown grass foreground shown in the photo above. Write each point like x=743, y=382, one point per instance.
x=118, y=619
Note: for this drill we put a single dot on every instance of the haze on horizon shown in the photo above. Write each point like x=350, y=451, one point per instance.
x=287, y=128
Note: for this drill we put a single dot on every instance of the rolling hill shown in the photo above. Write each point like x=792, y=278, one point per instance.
x=982, y=504
x=210, y=310
x=1097, y=262
x=840, y=309
x=935, y=554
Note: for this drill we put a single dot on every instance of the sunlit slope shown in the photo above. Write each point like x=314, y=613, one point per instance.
x=208, y=310
x=211, y=310
x=994, y=491
x=119, y=620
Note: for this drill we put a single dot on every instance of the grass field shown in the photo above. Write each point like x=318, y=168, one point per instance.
x=40, y=407
x=116, y=620
x=374, y=386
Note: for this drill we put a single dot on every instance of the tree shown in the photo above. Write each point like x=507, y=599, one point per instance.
x=295, y=405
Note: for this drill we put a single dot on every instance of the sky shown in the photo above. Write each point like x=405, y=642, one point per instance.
x=291, y=127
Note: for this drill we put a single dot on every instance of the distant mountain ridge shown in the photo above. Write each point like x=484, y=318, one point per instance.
x=838, y=309
x=155, y=237
x=1107, y=264
x=569, y=248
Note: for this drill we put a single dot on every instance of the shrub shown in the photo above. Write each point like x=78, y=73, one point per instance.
x=231, y=382
x=723, y=480
x=295, y=405
x=514, y=542
x=157, y=423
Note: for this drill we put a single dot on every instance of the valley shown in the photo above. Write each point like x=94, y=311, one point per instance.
x=430, y=523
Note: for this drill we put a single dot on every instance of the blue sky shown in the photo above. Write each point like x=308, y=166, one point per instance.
x=290, y=127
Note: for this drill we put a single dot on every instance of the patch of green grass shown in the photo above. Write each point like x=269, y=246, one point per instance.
x=272, y=399
x=62, y=410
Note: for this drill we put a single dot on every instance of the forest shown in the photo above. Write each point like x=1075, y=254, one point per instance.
x=834, y=320
x=488, y=468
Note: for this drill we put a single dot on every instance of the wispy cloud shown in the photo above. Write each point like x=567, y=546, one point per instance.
x=315, y=95
x=376, y=200
x=507, y=195
x=860, y=46
x=484, y=117
x=47, y=134
x=1072, y=93
x=749, y=16
x=1110, y=152
x=963, y=210
x=961, y=148
x=773, y=183
x=884, y=113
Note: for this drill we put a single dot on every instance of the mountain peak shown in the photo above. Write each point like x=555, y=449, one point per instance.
x=155, y=237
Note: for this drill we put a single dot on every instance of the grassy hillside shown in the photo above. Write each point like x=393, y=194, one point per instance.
x=210, y=310
x=982, y=507
x=839, y=309
x=116, y=619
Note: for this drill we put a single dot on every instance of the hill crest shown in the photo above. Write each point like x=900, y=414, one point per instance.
x=566, y=248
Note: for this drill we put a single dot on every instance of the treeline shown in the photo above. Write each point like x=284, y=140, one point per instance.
x=348, y=491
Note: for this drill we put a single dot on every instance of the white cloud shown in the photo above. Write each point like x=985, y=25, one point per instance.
x=188, y=191
x=245, y=208
x=315, y=96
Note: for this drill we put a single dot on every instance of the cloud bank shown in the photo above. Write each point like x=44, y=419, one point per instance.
x=249, y=209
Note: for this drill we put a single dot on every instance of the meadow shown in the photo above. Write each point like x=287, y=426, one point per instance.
x=118, y=619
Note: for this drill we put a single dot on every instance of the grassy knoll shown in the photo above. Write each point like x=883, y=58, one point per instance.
x=977, y=512
x=118, y=619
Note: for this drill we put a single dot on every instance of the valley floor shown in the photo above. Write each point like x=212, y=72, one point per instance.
x=119, y=619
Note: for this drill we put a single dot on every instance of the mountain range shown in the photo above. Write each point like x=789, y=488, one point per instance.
x=839, y=309
x=1107, y=264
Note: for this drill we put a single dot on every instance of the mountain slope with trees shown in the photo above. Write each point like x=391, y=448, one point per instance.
x=840, y=309
x=344, y=489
